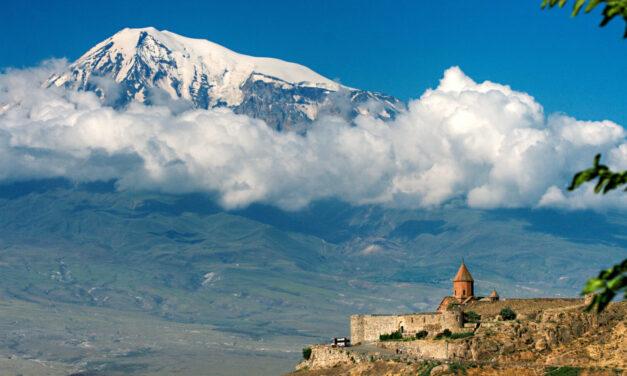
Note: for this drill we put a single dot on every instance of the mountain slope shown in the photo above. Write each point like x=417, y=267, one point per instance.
x=146, y=63
x=97, y=279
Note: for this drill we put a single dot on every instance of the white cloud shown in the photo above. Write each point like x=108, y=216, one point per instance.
x=484, y=143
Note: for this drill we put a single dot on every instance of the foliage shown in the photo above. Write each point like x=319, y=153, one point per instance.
x=392, y=336
x=471, y=316
x=608, y=180
x=458, y=368
x=447, y=333
x=614, y=279
x=610, y=282
x=563, y=371
x=507, y=313
x=422, y=334
x=462, y=335
x=612, y=9
x=452, y=307
x=428, y=367
x=307, y=353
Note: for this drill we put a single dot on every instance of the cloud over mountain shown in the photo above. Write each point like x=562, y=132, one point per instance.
x=482, y=143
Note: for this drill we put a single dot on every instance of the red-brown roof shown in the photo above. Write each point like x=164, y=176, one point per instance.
x=494, y=294
x=463, y=275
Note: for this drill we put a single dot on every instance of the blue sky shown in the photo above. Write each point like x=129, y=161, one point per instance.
x=483, y=144
x=396, y=47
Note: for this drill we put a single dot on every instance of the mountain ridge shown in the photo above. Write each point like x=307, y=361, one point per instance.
x=144, y=62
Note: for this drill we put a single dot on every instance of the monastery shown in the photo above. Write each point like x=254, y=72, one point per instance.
x=449, y=315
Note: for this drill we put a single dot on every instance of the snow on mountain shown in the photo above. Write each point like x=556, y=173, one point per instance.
x=144, y=62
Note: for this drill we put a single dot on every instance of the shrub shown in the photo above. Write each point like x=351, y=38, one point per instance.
x=507, y=313
x=447, y=333
x=458, y=367
x=471, y=316
x=422, y=334
x=462, y=335
x=426, y=368
x=392, y=336
x=564, y=371
x=307, y=353
x=452, y=307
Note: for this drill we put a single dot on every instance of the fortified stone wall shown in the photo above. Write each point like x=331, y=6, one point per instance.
x=422, y=349
x=368, y=328
x=520, y=306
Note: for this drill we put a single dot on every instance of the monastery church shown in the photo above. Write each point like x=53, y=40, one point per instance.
x=464, y=291
x=449, y=315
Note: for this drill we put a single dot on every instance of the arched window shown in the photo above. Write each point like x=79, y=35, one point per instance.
x=464, y=293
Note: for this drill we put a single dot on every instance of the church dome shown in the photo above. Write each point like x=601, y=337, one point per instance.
x=463, y=275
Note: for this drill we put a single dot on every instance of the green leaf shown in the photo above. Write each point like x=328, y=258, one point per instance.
x=599, y=186
x=583, y=177
x=597, y=158
x=593, y=285
x=617, y=283
x=577, y=7
x=605, y=299
x=592, y=4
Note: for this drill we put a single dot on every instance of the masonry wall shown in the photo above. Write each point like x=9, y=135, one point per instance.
x=423, y=349
x=521, y=306
x=368, y=328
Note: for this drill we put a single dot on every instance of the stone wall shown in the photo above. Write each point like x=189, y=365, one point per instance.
x=520, y=306
x=368, y=328
x=421, y=349
x=324, y=356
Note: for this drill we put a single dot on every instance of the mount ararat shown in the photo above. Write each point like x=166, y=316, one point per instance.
x=148, y=65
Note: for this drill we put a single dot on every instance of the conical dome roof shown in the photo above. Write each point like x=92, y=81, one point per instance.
x=463, y=275
x=494, y=294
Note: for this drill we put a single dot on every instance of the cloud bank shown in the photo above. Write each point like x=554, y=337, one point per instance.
x=479, y=143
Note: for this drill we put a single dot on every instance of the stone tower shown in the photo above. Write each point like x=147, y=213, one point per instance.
x=463, y=284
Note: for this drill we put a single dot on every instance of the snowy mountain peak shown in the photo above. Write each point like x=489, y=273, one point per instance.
x=143, y=60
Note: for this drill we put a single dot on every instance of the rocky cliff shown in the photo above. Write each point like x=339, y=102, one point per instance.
x=538, y=342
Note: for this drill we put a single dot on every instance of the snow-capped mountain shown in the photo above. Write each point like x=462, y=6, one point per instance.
x=147, y=62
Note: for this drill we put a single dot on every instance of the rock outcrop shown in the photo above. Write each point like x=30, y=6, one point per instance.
x=547, y=338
